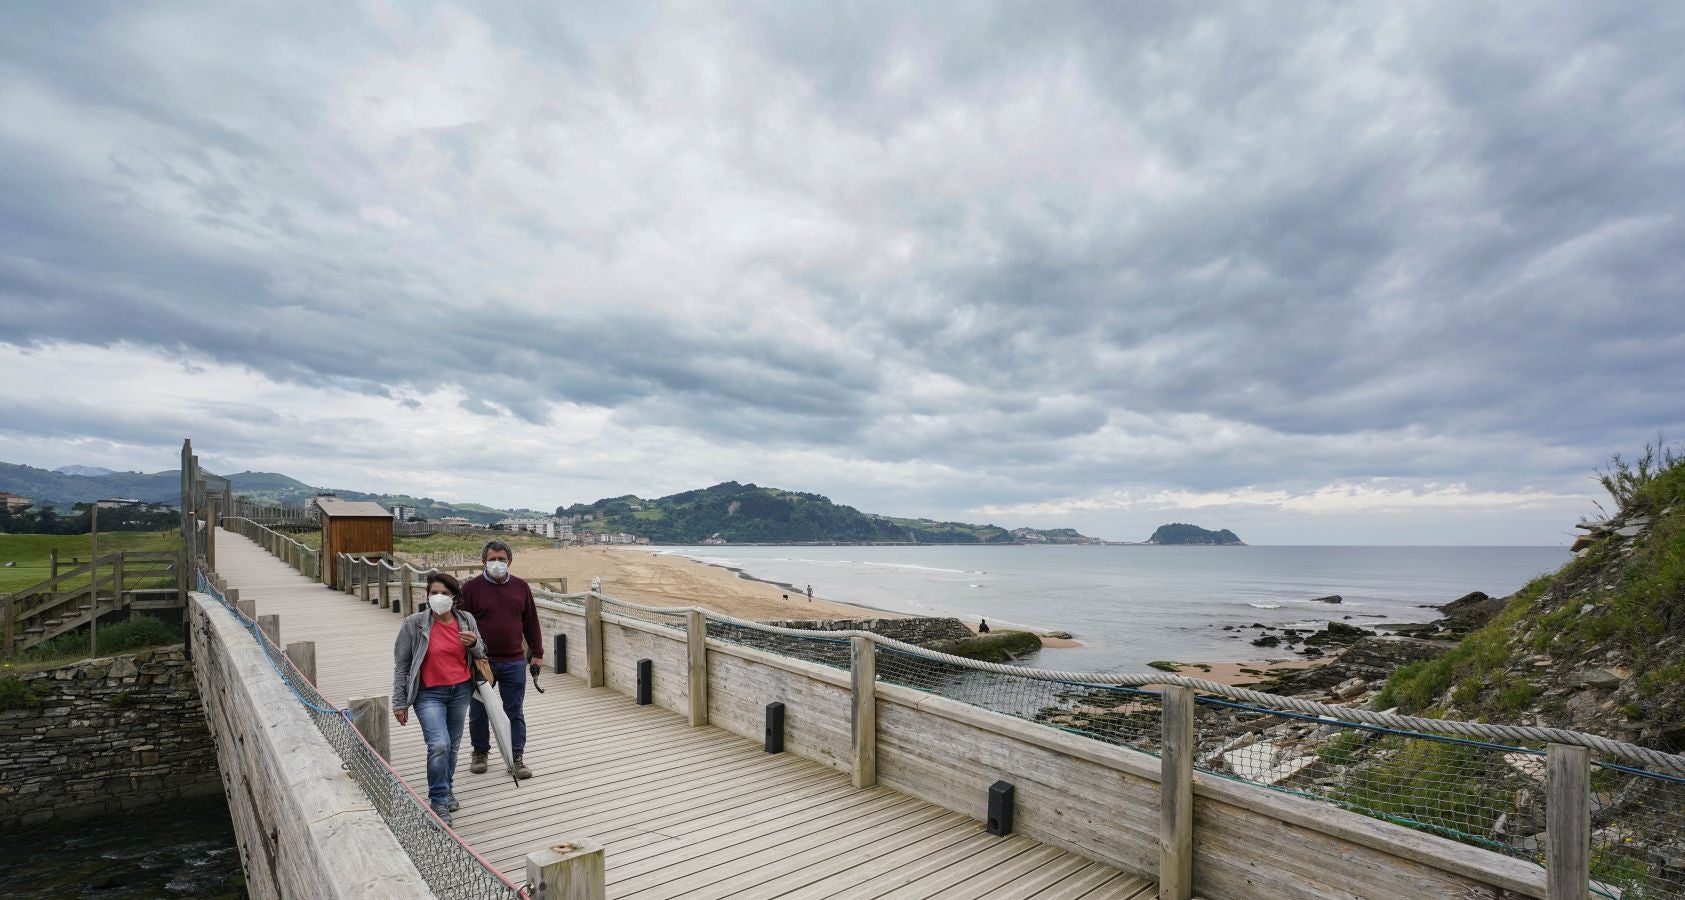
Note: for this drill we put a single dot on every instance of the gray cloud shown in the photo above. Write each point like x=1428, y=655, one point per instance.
x=1004, y=256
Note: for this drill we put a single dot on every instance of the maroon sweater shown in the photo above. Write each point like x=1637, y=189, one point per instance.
x=505, y=614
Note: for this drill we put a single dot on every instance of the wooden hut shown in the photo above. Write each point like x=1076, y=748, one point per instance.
x=357, y=527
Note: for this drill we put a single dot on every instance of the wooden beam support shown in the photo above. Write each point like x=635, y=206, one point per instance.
x=567, y=870
x=1176, y=797
x=1567, y=823
x=594, y=641
x=696, y=649
x=863, y=715
x=369, y=715
x=270, y=625
x=303, y=656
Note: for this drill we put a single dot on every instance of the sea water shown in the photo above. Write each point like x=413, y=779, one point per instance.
x=1130, y=605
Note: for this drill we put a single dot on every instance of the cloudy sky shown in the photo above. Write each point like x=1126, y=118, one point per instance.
x=1320, y=273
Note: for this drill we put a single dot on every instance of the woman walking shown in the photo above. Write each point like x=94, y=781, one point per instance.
x=432, y=671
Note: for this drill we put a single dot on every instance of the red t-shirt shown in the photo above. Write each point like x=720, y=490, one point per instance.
x=447, y=659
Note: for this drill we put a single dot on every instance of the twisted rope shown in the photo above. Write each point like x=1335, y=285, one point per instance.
x=1478, y=730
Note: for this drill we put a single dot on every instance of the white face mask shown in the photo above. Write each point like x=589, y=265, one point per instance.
x=497, y=569
x=440, y=603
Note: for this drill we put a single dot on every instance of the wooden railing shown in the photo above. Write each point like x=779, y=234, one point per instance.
x=125, y=579
x=302, y=557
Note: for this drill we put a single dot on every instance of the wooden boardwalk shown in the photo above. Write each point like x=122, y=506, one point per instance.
x=681, y=812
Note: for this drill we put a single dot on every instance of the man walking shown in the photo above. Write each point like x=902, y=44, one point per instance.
x=502, y=606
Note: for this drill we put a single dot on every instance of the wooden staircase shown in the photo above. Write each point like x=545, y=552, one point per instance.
x=72, y=599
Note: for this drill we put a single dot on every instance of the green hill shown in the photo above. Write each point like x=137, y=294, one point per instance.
x=1594, y=646
x=61, y=491
x=748, y=513
x=1178, y=533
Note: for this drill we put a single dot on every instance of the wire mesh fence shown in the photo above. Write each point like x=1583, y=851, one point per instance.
x=450, y=869
x=644, y=614
x=1638, y=833
x=819, y=648
x=1487, y=795
x=1117, y=715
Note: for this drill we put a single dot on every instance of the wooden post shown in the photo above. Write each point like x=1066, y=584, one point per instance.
x=863, y=720
x=270, y=625
x=363, y=579
x=594, y=641
x=385, y=586
x=369, y=715
x=406, y=598
x=1567, y=823
x=1176, y=796
x=696, y=648
x=567, y=870
x=117, y=581
x=303, y=656
x=53, y=557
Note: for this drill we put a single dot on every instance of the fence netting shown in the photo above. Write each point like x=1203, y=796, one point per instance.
x=642, y=614
x=1637, y=833
x=826, y=651
x=1117, y=715
x=450, y=869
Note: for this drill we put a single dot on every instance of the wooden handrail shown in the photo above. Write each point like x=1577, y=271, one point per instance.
x=50, y=583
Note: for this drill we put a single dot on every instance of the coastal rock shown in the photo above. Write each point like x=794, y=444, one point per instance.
x=1371, y=658
x=1268, y=640
x=1331, y=598
x=1600, y=679
x=1470, y=612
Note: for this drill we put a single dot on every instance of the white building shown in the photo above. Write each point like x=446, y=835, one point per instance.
x=403, y=513
x=546, y=526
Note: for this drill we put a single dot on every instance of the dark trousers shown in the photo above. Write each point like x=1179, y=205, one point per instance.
x=512, y=686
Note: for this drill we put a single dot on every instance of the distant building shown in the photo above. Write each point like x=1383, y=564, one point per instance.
x=14, y=503
x=564, y=532
x=403, y=513
x=546, y=526
x=453, y=520
x=132, y=505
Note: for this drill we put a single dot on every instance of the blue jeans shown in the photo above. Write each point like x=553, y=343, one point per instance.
x=512, y=687
x=440, y=710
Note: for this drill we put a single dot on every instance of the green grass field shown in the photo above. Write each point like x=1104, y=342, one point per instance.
x=25, y=561
x=463, y=543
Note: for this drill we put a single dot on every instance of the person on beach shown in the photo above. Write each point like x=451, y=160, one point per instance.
x=432, y=672
x=810, y=593
x=982, y=626
x=503, y=606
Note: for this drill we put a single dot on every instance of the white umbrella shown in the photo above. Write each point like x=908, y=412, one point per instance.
x=499, y=721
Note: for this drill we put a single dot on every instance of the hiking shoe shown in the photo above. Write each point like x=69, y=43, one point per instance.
x=443, y=813
x=452, y=804
x=520, y=770
x=477, y=764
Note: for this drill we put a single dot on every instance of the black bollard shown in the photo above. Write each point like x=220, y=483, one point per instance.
x=561, y=657
x=775, y=728
x=1000, y=808
x=645, y=674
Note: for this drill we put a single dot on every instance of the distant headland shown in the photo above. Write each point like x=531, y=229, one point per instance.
x=1182, y=534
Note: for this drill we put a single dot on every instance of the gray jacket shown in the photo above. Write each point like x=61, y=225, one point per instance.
x=410, y=651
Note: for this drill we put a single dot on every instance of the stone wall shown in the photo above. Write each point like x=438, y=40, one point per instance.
x=105, y=735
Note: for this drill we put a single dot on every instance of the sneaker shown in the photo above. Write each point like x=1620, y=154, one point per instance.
x=443, y=813
x=520, y=770
x=477, y=764
x=452, y=804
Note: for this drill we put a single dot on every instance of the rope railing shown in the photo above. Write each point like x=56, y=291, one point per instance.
x=1476, y=782
x=1479, y=783
x=449, y=866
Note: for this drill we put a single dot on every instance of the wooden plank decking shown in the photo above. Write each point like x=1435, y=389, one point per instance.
x=682, y=812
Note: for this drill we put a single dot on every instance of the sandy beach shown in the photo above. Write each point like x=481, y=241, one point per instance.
x=1248, y=672
x=661, y=579
x=664, y=579
x=658, y=579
